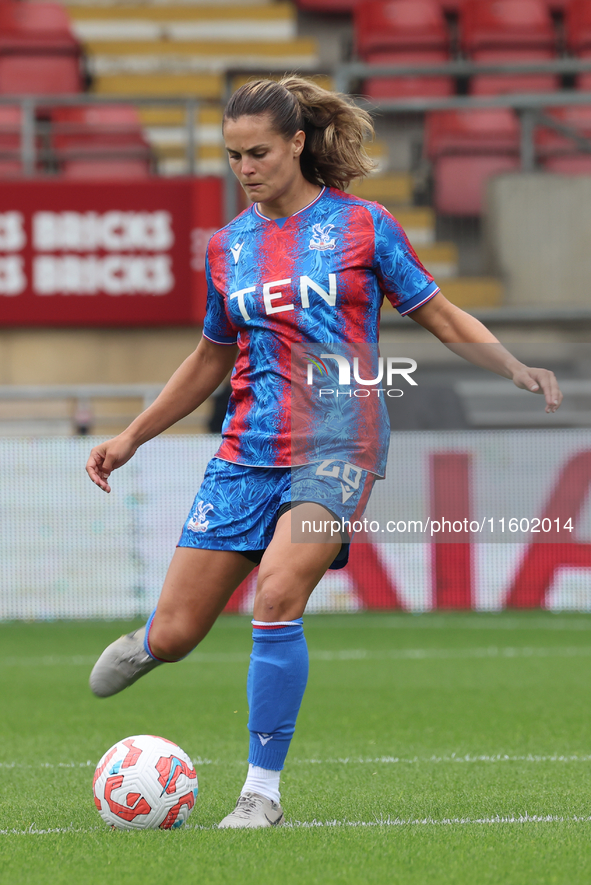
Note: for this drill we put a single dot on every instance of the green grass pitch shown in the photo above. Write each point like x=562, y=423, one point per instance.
x=436, y=748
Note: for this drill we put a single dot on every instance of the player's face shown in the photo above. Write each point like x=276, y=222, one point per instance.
x=266, y=164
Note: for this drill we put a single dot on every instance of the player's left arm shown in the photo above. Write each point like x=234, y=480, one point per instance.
x=462, y=333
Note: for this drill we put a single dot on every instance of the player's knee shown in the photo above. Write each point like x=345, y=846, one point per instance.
x=275, y=599
x=170, y=641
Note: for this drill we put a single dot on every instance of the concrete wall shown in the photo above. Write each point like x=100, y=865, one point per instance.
x=93, y=356
x=538, y=238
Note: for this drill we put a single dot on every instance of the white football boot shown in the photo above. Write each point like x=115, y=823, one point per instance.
x=253, y=811
x=121, y=664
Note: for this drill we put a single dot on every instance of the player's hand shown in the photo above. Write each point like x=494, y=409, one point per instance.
x=106, y=457
x=539, y=381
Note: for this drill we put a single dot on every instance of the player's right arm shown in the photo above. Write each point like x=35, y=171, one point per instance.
x=192, y=383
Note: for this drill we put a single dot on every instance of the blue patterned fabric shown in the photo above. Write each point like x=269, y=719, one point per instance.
x=319, y=277
x=237, y=506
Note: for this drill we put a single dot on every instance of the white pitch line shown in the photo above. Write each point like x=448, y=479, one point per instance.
x=334, y=824
x=350, y=654
x=451, y=759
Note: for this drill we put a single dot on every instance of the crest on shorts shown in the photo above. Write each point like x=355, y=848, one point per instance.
x=199, y=522
x=321, y=239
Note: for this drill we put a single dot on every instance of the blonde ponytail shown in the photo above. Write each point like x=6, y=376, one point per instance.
x=335, y=128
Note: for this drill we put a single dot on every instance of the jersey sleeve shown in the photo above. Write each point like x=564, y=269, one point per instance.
x=216, y=325
x=402, y=278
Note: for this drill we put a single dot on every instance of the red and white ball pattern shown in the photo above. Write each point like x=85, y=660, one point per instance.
x=145, y=782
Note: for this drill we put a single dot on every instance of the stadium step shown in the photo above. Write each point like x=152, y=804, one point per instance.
x=474, y=292
x=196, y=86
x=418, y=223
x=440, y=259
x=277, y=22
x=471, y=293
x=121, y=57
x=395, y=189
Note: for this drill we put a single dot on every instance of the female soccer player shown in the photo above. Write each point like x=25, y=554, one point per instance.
x=305, y=264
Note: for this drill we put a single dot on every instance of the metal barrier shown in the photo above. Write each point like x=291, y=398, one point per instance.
x=36, y=127
x=71, y=409
x=486, y=405
x=529, y=106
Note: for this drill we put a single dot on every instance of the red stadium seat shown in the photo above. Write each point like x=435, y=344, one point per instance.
x=409, y=87
x=469, y=132
x=403, y=32
x=578, y=36
x=36, y=26
x=38, y=51
x=578, y=26
x=10, y=141
x=400, y=25
x=506, y=24
x=23, y=74
x=577, y=164
x=561, y=154
x=96, y=124
x=104, y=169
x=460, y=181
x=499, y=84
x=497, y=31
x=453, y=6
x=549, y=142
x=99, y=141
x=466, y=148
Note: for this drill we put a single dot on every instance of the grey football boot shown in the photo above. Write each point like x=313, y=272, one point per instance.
x=252, y=812
x=121, y=664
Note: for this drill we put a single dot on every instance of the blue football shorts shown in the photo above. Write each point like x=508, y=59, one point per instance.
x=237, y=506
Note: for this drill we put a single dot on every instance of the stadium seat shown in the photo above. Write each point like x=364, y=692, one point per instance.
x=577, y=164
x=104, y=169
x=577, y=26
x=10, y=141
x=98, y=141
x=466, y=148
x=500, y=31
x=399, y=25
x=38, y=51
x=96, y=124
x=403, y=32
x=558, y=153
x=36, y=24
x=469, y=132
x=435, y=86
x=506, y=24
x=549, y=142
x=25, y=74
x=499, y=84
x=460, y=181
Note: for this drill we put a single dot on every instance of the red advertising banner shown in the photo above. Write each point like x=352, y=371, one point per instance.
x=105, y=253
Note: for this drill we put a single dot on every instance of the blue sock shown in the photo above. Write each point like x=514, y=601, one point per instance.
x=277, y=679
x=147, y=648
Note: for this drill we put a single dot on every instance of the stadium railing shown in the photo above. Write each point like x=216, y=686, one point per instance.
x=84, y=409
x=36, y=124
x=76, y=409
x=529, y=106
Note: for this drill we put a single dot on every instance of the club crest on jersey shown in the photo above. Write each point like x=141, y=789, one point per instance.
x=321, y=239
x=198, y=522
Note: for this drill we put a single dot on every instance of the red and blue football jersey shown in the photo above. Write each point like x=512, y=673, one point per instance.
x=319, y=276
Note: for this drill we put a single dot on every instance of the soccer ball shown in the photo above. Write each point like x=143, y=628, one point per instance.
x=145, y=782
